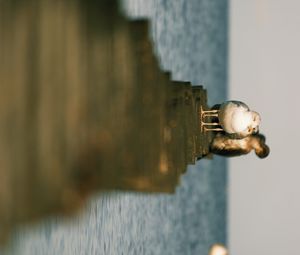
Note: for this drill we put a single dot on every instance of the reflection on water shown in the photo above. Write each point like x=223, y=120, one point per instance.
x=85, y=107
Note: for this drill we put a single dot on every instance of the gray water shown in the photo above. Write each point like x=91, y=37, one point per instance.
x=190, y=38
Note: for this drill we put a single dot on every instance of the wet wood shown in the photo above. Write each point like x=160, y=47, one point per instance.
x=84, y=106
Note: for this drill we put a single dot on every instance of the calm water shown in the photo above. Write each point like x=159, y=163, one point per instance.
x=191, y=41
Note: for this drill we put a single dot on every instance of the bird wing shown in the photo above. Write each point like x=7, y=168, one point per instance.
x=234, y=117
x=240, y=120
x=238, y=104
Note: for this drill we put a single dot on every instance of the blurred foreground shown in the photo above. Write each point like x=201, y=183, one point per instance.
x=59, y=59
x=85, y=107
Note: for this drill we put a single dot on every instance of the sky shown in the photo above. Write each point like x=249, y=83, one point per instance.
x=264, y=72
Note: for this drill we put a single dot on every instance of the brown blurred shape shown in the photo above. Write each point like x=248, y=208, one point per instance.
x=85, y=107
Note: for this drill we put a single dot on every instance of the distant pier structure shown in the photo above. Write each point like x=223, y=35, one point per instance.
x=84, y=106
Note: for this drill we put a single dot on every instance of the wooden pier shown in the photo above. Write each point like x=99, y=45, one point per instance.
x=84, y=106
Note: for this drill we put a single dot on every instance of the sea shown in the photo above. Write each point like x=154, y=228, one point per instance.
x=190, y=39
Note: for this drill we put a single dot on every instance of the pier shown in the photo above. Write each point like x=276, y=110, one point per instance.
x=85, y=107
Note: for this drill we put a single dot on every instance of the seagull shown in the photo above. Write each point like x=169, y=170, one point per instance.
x=228, y=147
x=234, y=117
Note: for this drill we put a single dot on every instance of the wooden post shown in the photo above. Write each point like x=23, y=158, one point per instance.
x=84, y=106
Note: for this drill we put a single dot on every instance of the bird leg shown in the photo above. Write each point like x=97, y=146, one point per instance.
x=209, y=111
x=209, y=114
x=205, y=129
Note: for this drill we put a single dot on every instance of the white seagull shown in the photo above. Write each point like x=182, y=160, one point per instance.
x=234, y=117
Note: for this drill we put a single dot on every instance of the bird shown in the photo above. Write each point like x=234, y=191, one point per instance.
x=225, y=146
x=233, y=117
